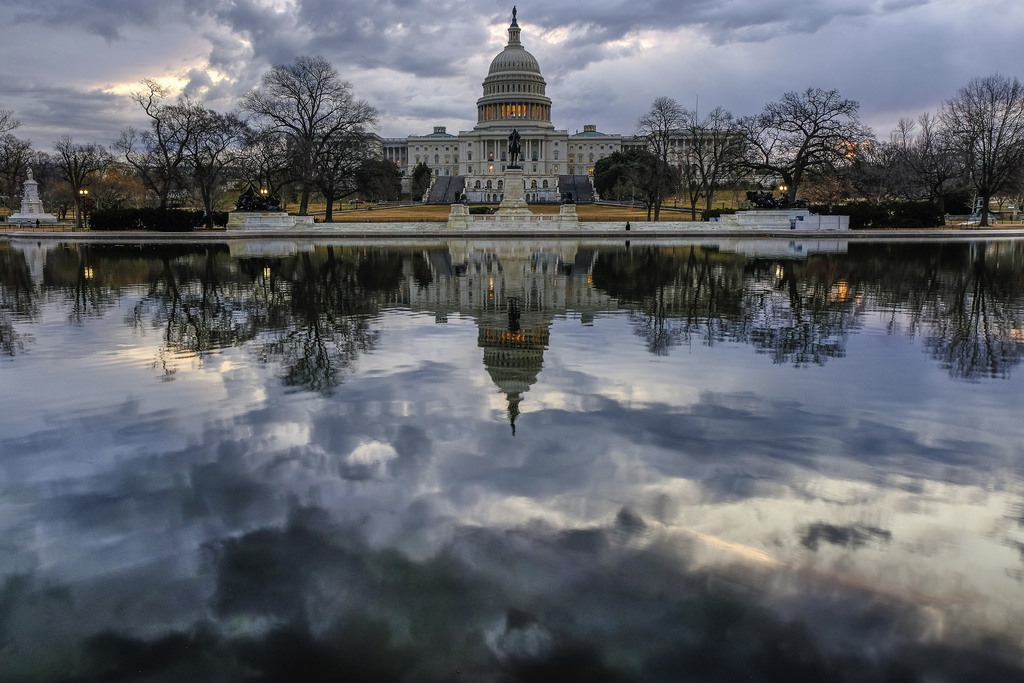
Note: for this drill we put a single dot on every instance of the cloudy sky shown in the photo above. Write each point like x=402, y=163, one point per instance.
x=67, y=67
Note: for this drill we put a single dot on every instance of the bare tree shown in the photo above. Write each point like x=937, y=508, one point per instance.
x=930, y=161
x=7, y=121
x=157, y=154
x=117, y=187
x=78, y=163
x=337, y=164
x=310, y=105
x=714, y=148
x=813, y=129
x=876, y=173
x=985, y=121
x=209, y=152
x=659, y=126
x=263, y=160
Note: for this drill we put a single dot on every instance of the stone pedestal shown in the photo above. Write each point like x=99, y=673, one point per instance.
x=459, y=218
x=782, y=219
x=266, y=221
x=513, y=203
x=31, y=206
x=567, y=214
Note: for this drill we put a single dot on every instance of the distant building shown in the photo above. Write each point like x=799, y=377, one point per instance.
x=473, y=162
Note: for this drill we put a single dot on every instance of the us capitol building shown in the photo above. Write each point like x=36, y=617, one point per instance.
x=473, y=162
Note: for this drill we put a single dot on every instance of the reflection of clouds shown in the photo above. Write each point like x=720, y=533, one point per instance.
x=642, y=518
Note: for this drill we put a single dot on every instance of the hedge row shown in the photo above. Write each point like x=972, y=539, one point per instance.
x=895, y=214
x=160, y=220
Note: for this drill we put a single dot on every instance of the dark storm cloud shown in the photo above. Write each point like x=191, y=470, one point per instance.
x=46, y=106
x=421, y=64
x=724, y=21
x=105, y=18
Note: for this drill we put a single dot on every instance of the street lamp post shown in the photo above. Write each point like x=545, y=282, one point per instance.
x=80, y=219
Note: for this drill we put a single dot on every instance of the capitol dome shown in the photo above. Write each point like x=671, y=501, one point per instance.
x=514, y=58
x=514, y=90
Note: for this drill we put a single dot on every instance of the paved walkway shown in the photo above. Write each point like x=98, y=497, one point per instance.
x=438, y=230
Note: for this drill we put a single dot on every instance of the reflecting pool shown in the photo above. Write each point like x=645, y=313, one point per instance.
x=512, y=461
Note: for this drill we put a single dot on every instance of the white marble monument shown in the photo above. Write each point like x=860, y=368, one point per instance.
x=31, y=206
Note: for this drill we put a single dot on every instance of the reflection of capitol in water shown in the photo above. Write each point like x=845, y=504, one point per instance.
x=513, y=292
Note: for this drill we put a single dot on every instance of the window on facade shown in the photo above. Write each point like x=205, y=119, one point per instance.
x=489, y=184
x=545, y=184
x=437, y=158
x=535, y=168
x=533, y=184
x=501, y=184
x=504, y=156
x=476, y=185
x=469, y=156
x=556, y=152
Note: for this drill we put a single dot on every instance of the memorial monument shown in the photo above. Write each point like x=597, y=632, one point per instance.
x=32, y=206
x=262, y=212
x=513, y=202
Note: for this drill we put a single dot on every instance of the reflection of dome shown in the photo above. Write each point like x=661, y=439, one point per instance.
x=513, y=357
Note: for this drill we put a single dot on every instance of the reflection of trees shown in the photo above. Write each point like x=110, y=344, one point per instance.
x=308, y=313
x=77, y=272
x=976, y=326
x=797, y=312
x=196, y=300
x=321, y=307
x=966, y=301
x=17, y=299
x=311, y=312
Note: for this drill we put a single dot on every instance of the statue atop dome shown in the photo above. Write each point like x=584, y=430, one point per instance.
x=513, y=14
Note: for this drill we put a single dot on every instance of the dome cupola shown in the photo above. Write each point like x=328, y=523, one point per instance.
x=514, y=90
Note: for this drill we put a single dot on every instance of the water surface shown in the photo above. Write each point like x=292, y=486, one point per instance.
x=501, y=461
